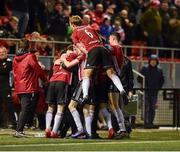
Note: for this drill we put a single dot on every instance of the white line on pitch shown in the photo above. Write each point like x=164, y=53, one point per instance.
x=94, y=143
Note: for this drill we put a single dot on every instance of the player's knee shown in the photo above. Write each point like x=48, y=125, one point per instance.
x=60, y=108
x=88, y=72
x=51, y=108
x=72, y=106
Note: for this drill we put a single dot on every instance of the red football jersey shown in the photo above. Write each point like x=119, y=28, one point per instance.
x=61, y=74
x=71, y=56
x=87, y=36
x=117, y=57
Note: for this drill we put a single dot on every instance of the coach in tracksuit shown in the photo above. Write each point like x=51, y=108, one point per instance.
x=27, y=73
x=5, y=89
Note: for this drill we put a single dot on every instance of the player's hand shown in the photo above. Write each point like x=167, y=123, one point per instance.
x=145, y=33
x=130, y=94
x=81, y=47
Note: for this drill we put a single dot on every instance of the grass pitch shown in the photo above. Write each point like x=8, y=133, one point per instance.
x=140, y=140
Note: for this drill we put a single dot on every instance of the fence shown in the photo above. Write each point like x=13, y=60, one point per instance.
x=167, y=111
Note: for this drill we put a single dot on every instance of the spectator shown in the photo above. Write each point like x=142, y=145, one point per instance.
x=10, y=29
x=108, y=3
x=38, y=12
x=164, y=12
x=87, y=4
x=118, y=28
x=27, y=72
x=154, y=81
x=174, y=35
x=20, y=9
x=106, y=29
x=57, y=22
x=127, y=25
x=5, y=89
x=98, y=14
x=3, y=10
x=86, y=19
x=149, y=18
x=177, y=5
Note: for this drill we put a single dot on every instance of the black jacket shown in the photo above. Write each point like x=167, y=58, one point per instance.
x=154, y=79
x=20, y=5
x=126, y=75
x=5, y=69
x=6, y=31
x=57, y=24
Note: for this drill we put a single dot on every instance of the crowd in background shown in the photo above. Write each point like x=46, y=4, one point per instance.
x=139, y=22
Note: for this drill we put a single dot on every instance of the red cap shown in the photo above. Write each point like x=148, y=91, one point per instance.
x=155, y=3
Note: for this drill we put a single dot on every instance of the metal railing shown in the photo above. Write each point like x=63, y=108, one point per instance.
x=140, y=60
x=141, y=92
x=125, y=47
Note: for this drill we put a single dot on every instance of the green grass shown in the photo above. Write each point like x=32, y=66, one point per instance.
x=146, y=140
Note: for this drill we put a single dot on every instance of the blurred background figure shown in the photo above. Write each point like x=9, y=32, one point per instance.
x=5, y=89
x=154, y=81
x=20, y=9
x=152, y=33
x=57, y=22
x=10, y=29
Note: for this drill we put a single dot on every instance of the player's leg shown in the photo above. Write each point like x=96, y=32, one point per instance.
x=115, y=79
x=57, y=120
x=88, y=111
x=93, y=60
x=86, y=81
x=107, y=116
x=75, y=100
x=108, y=65
x=75, y=114
x=61, y=91
x=49, y=117
x=51, y=101
x=114, y=102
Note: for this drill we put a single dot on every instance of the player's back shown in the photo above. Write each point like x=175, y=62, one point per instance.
x=88, y=36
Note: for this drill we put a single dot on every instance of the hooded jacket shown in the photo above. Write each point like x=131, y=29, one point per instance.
x=27, y=72
x=154, y=78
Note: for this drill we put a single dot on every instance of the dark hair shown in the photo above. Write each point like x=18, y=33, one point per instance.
x=117, y=35
x=24, y=44
x=70, y=47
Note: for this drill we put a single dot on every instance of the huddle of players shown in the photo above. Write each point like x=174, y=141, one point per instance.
x=99, y=83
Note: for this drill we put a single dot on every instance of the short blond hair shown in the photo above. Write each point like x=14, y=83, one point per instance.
x=76, y=20
x=3, y=48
